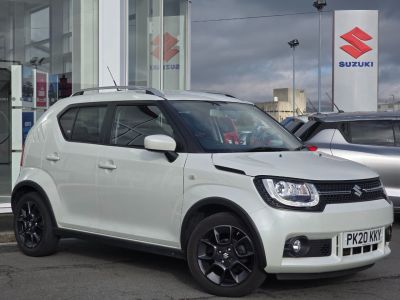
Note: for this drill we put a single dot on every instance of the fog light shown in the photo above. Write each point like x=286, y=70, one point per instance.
x=388, y=234
x=297, y=247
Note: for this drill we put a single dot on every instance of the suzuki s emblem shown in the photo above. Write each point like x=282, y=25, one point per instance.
x=170, y=46
x=225, y=255
x=357, y=190
x=355, y=38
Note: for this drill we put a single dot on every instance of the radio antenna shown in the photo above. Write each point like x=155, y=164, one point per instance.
x=112, y=77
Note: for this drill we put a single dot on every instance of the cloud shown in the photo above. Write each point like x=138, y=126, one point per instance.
x=251, y=57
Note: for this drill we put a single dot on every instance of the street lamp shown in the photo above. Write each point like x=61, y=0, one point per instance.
x=393, y=101
x=293, y=44
x=319, y=4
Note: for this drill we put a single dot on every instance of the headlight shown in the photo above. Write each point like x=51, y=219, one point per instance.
x=295, y=194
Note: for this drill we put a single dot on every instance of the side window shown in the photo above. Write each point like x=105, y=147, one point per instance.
x=378, y=133
x=67, y=122
x=397, y=132
x=88, y=123
x=133, y=123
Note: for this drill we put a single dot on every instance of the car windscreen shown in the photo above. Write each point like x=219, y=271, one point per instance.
x=234, y=127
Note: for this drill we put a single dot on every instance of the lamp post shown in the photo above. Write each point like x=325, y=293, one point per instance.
x=293, y=44
x=392, y=100
x=319, y=4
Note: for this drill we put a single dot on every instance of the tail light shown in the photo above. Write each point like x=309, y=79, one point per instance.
x=312, y=148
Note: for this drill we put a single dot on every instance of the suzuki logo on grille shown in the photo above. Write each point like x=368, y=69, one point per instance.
x=355, y=37
x=225, y=256
x=357, y=190
x=170, y=49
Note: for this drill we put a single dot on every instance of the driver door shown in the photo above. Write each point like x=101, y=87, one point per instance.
x=140, y=192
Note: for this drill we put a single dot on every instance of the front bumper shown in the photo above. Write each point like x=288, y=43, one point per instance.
x=276, y=226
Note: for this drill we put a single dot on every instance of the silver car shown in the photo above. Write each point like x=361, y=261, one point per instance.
x=372, y=139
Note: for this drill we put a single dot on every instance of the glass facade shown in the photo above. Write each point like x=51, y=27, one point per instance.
x=46, y=35
x=158, y=43
x=64, y=41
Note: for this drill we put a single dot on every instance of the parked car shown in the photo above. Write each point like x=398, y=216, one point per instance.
x=372, y=139
x=294, y=123
x=200, y=176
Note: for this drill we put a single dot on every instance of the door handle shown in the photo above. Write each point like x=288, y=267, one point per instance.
x=107, y=165
x=53, y=157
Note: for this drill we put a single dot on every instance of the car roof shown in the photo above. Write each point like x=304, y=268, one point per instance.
x=140, y=95
x=356, y=116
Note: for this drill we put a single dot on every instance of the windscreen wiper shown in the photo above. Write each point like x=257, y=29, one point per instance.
x=302, y=147
x=267, y=149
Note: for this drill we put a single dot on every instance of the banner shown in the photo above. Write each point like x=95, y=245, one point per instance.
x=41, y=89
x=53, y=89
x=355, y=60
x=27, y=124
x=27, y=85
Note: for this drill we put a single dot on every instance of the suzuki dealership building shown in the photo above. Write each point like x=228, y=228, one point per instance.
x=51, y=48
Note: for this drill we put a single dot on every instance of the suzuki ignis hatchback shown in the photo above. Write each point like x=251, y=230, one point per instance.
x=201, y=176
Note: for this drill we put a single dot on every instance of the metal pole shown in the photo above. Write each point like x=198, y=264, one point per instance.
x=294, y=83
x=393, y=102
x=319, y=62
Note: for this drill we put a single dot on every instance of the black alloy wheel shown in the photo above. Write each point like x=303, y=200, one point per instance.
x=33, y=226
x=223, y=257
x=226, y=255
x=29, y=225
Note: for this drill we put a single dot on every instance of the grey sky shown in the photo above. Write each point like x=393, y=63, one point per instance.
x=251, y=57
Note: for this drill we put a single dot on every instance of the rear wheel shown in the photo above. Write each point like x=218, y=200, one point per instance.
x=222, y=256
x=33, y=227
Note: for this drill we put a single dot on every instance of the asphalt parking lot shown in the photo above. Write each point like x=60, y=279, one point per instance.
x=83, y=270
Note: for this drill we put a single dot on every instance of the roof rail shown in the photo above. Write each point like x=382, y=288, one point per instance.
x=147, y=90
x=216, y=93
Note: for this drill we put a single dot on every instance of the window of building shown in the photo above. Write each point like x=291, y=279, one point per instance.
x=378, y=133
x=133, y=123
x=158, y=31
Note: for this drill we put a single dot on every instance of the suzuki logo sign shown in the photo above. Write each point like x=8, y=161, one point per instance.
x=355, y=38
x=355, y=60
x=170, y=49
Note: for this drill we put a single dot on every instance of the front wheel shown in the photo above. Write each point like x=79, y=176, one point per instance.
x=33, y=227
x=222, y=256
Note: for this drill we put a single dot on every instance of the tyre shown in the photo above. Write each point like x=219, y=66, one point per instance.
x=33, y=226
x=222, y=256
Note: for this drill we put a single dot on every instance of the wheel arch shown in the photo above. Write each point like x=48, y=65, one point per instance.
x=28, y=186
x=209, y=206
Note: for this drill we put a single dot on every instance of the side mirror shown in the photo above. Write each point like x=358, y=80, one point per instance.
x=159, y=142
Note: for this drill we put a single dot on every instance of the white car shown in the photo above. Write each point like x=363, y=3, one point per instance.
x=201, y=176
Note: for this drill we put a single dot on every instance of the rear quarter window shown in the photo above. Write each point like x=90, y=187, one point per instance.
x=377, y=133
x=83, y=124
x=67, y=122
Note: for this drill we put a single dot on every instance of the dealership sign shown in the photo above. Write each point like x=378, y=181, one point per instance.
x=355, y=59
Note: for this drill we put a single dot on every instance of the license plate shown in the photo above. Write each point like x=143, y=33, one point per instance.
x=362, y=238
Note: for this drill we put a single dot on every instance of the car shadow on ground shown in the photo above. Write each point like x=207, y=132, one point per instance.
x=146, y=261
x=175, y=267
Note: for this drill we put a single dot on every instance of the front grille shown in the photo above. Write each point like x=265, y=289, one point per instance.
x=347, y=185
x=348, y=192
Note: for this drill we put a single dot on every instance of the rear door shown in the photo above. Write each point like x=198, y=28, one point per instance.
x=372, y=143
x=70, y=157
x=140, y=191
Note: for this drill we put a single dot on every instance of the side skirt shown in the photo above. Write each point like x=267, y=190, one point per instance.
x=142, y=247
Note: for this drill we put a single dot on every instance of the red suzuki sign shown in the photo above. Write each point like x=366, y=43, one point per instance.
x=355, y=38
x=170, y=49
